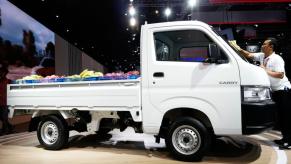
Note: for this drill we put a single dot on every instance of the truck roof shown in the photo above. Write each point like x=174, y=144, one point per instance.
x=177, y=23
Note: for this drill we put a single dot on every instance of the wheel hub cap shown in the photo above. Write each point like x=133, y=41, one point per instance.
x=186, y=140
x=49, y=132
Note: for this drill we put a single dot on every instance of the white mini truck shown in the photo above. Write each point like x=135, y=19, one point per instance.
x=193, y=86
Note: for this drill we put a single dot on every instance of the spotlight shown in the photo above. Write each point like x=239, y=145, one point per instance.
x=132, y=11
x=132, y=21
x=192, y=3
x=168, y=12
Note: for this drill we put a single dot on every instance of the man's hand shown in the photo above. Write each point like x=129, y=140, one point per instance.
x=234, y=45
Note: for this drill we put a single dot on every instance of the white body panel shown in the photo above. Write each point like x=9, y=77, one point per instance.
x=121, y=95
x=253, y=75
x=193, y=85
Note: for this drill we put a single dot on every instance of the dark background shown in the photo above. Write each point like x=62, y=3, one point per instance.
x=101, y=28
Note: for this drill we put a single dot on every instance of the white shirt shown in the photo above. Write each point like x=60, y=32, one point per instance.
x=274, y=63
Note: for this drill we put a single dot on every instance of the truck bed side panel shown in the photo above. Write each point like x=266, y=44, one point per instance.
x=115, y=94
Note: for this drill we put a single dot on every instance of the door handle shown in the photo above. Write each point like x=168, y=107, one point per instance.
x=158, y=74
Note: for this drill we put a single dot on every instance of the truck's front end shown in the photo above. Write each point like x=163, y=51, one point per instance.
x=258, y=108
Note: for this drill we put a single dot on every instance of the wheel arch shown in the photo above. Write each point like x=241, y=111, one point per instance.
x=176, y=113
x=37, y=117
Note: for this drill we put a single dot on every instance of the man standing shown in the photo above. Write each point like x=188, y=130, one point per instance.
x=273, y=64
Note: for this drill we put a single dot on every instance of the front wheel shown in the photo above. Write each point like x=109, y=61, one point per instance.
x=188, y=139
x=52, y=133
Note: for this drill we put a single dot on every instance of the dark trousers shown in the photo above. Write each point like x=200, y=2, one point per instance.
x=6, y=126
x=282, y=99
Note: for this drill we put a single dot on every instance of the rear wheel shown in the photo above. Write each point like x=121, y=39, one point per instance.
x=188, y=139
x=53, y=133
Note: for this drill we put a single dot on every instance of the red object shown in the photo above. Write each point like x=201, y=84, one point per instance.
x=3, y=91
x=47, y=71
x=247, y=1
x=248, y=22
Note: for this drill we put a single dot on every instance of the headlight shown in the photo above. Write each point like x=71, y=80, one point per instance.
x=256, y=94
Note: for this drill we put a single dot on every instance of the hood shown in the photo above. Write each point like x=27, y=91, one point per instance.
x=253, y=75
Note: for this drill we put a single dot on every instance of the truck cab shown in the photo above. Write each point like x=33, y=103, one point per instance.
x=191, y=76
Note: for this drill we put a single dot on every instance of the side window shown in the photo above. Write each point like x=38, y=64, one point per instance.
x=182, y=45
x=194, y=54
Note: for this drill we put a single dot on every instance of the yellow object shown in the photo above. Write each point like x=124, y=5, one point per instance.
x=234, y=45
x=98, y=74
x=74, y=76
x=32, y=77
x=87, y=73
x=83, y=72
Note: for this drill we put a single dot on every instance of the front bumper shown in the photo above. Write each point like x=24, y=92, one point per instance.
x=257, y=117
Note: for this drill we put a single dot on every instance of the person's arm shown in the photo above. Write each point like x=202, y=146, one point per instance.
x=277, y=71
x=274, y=74
x=246, y=54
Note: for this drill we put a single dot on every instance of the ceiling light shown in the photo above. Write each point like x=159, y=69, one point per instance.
x=131, y=11
x=168, y=12
x=192, y=3
x=132, y=21
x=157, y=11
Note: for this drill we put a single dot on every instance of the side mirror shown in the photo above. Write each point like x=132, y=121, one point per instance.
x=214, y=54
x=214, y=51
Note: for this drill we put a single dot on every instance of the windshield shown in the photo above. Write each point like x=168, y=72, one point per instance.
x=239, y=54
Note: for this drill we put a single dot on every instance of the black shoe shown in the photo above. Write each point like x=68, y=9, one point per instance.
x=286, y=145
x=280, y=142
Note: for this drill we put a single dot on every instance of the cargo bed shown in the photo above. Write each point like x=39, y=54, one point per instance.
x=108, y=95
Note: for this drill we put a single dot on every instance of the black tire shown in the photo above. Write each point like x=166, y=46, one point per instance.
x=52, y=133
x=103, y=131
x=190, y=132
x=104, y=127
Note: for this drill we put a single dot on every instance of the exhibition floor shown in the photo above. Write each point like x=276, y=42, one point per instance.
x=129, y=147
